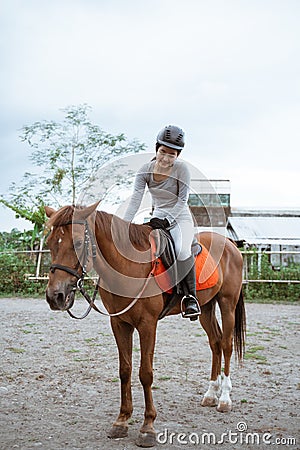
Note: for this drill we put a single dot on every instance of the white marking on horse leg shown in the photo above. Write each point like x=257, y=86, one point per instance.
x=212, y=394
x=225, y=400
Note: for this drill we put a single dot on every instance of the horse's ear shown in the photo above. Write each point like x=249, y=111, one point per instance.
x=86, y=212
x=49, y=211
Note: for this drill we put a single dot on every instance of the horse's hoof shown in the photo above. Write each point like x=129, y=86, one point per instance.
x=146, y=440
x=224, y=407
x=209, y=401
x=117, y=432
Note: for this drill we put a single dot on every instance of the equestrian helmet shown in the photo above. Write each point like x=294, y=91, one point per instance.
x=171, y=136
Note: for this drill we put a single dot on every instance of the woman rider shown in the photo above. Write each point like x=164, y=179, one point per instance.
x=168, y=181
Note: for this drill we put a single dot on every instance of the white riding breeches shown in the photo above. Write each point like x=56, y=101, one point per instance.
x=183, y=234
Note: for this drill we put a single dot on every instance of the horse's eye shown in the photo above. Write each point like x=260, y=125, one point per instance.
x=78, y=243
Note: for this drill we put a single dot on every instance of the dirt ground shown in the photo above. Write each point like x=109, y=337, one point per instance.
x=59, y=385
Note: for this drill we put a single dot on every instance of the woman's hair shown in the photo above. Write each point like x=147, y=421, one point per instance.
x=157, y=145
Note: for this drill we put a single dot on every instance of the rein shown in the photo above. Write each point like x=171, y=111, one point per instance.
x=89, y=239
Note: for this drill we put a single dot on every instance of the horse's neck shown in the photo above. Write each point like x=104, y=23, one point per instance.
x=112, y=235
x=103, y=232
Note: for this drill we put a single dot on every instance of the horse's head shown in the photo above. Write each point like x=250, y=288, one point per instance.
x=71, y=243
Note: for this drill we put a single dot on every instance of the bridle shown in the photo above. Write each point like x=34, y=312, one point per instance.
x=88, y=238
x=90, y=243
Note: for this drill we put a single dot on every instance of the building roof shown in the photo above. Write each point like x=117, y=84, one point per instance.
x=265, y=230
x=264, y=212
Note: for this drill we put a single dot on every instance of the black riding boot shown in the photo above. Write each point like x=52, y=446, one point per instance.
x=187, y=275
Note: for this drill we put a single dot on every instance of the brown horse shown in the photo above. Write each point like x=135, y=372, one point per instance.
x=82, y=238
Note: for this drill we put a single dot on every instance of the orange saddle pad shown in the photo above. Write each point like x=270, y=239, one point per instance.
x=207, y=274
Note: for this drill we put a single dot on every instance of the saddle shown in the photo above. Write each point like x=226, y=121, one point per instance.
x=164, y=257
x=165, y=272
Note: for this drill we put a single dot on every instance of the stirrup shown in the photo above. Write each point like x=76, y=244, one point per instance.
x=192, y=316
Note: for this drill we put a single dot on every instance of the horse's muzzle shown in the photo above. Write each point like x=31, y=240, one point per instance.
x=60, y=300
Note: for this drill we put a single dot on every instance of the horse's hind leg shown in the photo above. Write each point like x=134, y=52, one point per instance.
x=210, y=324
x=228, y=321
x=123, y=334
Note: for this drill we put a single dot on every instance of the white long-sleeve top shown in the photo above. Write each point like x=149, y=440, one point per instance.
x=169, y=197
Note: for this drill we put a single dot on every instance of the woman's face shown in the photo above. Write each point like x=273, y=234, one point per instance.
x=166, y=156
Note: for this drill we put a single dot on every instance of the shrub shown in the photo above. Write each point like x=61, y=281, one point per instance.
x=13, y=270
x=272, y=291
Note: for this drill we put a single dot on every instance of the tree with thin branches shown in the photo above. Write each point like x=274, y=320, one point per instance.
x=68, y=156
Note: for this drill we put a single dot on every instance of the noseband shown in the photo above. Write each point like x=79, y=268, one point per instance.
x=89, y=242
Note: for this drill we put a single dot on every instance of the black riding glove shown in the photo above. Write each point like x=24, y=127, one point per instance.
x=159, y=223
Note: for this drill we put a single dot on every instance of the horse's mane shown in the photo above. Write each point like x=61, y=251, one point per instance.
x=61, y=217
x=113, y=226
x=138, y=234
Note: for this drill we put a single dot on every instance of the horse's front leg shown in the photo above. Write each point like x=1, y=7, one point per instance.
x=123, y=334
x=147, y=333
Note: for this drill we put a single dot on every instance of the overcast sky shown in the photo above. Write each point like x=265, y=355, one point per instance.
x=227, y=72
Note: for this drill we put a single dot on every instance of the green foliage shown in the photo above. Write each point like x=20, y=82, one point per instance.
x=13, y=269
x=15, y=266
x=35, y=215
x=17, y=262
x=272, y=291
x=16, y=240
x=68, y=155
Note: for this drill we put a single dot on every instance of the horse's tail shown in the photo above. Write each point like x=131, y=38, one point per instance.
x=240, y=328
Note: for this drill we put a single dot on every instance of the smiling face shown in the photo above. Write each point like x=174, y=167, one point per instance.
x=165, y=157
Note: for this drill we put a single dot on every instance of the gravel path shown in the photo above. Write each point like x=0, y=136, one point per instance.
x=59, y=386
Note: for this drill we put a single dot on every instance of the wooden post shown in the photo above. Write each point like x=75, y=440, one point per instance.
x=38, y=266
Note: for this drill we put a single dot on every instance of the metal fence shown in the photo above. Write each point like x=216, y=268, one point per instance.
x=258, y=255
x=250, y=257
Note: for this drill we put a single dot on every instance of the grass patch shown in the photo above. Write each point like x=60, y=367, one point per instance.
x=93, y=342
x=251, y=353
x=271, y=301
x=133, y=421
x=255, y=348
x=255, y=356
x=16, y=350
